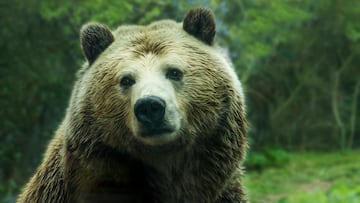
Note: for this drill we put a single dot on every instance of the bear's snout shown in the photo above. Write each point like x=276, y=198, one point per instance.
x=150, y=111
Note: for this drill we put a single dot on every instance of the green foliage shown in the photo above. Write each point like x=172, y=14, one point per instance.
x=303, y=197
x=259, y=32
x=304, y=92
x=113, y=13
x=338, y=194
x=308, y=177
x=344, y=193
x=272, y=157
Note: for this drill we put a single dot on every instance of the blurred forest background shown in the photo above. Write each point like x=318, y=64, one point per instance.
x=298, y=60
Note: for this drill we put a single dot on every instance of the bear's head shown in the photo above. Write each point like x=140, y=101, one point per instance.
x=152, y=89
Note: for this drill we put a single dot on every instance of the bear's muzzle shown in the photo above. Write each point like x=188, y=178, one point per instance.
x=150, y=112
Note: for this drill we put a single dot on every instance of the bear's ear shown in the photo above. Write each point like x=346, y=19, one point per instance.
x=94, y=39
x=200, y=22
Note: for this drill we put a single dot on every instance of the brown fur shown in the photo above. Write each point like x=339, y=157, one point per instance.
x=94, y=156
x=95, y=38
x=201, y=24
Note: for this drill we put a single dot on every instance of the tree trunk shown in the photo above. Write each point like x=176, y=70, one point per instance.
x=353, y=115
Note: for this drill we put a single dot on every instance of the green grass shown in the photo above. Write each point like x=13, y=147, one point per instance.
x=308, y=177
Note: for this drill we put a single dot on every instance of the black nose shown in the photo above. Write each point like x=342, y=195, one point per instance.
x=150, y=111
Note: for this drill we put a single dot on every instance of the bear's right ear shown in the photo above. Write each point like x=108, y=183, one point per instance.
x=94, y=39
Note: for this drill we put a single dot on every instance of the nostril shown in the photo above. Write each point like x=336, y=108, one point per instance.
x=156, y=106
x=150, y=110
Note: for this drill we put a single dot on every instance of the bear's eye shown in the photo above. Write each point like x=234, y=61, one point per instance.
x=174, y=74
x=127, y=81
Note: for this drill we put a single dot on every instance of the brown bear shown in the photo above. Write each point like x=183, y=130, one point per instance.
x=156, y=115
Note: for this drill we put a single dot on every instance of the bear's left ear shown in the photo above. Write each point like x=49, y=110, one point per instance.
x=200, y=22
x=94, y=39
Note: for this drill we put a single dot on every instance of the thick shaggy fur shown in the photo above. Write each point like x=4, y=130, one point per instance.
x=96, y=155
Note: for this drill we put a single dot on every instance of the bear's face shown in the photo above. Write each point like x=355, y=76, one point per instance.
x=154, y=88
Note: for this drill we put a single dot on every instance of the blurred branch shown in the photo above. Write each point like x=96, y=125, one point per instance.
x=353, y=114
x=336, y=109
x=335, y=103
x=288, y=101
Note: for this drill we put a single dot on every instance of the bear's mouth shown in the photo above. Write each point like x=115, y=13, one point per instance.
x=155, y=132
x=156, y=136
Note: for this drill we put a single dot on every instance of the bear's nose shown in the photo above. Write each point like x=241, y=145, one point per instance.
x=150, y=111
